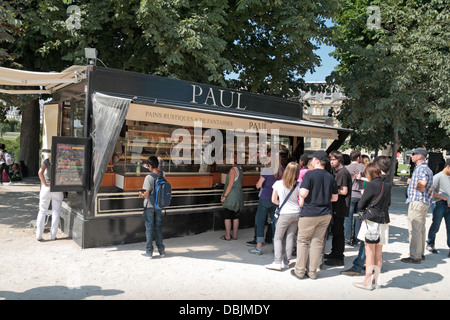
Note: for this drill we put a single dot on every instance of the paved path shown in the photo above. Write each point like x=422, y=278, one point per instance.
x=197, y=267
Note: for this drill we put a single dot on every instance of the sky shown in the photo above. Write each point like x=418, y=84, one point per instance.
x=328, y=64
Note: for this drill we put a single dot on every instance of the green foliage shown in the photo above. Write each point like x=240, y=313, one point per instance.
x=396, y=77
x=12, y=146
x=9, y=25
x=11, y=125
x=269, y=43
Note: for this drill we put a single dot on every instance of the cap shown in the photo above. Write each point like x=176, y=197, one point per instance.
x=421, y=151
x=321, y=155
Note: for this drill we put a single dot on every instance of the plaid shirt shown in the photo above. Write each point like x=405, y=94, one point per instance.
x=421, y=172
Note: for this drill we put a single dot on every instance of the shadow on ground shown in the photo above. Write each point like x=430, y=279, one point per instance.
x=17, y=209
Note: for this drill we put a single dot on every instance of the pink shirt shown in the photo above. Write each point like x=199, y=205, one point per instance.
x=302, y=173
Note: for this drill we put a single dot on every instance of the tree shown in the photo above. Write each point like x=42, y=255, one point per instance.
x=269, y=43
x=395, y=76
x=9, y=25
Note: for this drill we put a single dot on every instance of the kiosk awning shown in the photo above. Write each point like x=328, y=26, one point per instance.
x=222, y=120
x=49, y=81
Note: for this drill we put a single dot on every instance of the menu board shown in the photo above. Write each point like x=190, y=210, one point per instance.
x=70, y=164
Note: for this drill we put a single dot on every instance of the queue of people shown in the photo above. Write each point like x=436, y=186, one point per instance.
x=352, y=201
x=305, y=201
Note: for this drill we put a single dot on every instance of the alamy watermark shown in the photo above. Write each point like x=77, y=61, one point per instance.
x=374, y=20
x=74, y=12
x=213, y=142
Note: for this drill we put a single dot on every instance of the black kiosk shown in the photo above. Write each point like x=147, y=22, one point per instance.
x=103, y=128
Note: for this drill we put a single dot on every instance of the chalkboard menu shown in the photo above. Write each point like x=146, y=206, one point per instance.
x=70, y=164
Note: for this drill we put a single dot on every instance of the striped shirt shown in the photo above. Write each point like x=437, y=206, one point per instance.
x=424, y=173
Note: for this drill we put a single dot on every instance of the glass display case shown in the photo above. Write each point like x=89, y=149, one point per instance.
x=139, y=140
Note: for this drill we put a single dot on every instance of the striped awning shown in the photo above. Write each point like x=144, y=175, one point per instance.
x=13, y=81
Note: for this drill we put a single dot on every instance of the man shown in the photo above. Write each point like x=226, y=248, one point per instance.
x=340, y=209
x=4, y=166
x=356, y=169
x=384, y=163
x=441, y=193
x=420, y=193
x=152, y=216
x=317, y=192
x=45, y=196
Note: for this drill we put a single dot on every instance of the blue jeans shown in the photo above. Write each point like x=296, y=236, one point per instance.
x=359, y=261
x=264, y=206
x=440, y=211
x=153, y=229
x=352, y=226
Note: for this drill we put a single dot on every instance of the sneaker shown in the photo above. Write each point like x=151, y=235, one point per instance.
x=39, y=238
x=251, y=243
x=411, y=260
x=432, y=249
x=284, y=265
x=334, y=262
x=273, y=266
x=162, y=255
x=256, y=251
x=296, y=275
x=329, y=256
x=148, y=255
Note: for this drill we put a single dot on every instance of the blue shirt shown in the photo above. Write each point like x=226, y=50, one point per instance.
x=421, y=172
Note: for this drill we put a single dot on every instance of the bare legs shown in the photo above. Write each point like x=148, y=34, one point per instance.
x=374, y=262
x=228, y=228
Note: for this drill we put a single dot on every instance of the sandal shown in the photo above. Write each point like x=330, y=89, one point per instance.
x=224, y=238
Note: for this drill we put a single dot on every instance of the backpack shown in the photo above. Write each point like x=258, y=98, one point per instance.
x=162, y=192
x=9, y=158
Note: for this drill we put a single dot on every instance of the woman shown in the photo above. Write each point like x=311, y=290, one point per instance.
x=289, y=214
x=265, y=205
x=232, y=200
x=303, y=161
x=376, y=193
x=45, y=197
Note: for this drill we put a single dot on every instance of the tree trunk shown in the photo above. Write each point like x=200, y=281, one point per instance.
x=29, y=137
x=394, y=155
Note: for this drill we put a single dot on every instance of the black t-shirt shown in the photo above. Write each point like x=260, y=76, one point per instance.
x=321, y=186
x=343, y=179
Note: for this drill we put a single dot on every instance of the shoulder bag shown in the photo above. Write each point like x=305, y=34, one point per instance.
x=277, y=211
x=372, y=236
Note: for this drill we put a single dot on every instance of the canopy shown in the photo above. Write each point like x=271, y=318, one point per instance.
x=49, y=81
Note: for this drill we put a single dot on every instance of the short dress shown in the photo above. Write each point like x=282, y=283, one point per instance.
x=383, y=230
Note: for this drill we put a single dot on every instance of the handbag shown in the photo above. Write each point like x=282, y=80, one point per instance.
x=372, y=236
x=369, y=212
x=277, y=211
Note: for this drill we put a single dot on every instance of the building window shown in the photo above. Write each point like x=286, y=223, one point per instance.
x=308, y=143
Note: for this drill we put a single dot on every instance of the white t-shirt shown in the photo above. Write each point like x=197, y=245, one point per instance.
x=441, y=184
x=291, y=205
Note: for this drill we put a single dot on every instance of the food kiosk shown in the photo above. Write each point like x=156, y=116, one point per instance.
x=102, y=130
